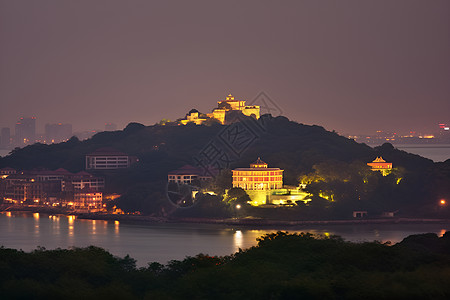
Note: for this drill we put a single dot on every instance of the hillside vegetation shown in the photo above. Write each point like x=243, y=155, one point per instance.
x=338, y=164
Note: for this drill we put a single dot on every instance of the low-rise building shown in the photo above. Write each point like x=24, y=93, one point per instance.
x=108, y=159
x=187, y=174
x=379, y=164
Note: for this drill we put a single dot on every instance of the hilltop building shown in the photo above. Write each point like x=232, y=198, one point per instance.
x=230, y=104
x=108, y=159
x=379, y=164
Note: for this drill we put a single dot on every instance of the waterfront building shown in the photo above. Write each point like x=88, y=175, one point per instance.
x=53, y=188
x=86, y=199
x=264, y=185
x=379, y=164
x=108, y=159
x=258, y=177
x=187, y=174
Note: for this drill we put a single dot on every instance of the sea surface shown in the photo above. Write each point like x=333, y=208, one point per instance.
x=164, y=242
x=436, y=152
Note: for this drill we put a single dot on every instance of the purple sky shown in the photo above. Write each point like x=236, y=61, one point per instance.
x=352, y=66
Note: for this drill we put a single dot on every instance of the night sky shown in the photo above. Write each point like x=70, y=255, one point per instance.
x=350, y=66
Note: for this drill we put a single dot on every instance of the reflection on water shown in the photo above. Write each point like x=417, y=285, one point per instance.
x=164, y=242
x=238, y=239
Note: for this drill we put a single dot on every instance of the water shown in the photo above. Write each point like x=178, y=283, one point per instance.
x=437, y=152
x=165, y=242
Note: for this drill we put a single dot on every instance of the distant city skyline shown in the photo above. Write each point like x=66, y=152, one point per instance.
x=351, y=66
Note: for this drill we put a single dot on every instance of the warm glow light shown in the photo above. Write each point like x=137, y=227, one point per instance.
x=36, y=215
x=442, y=202
x=238, y=206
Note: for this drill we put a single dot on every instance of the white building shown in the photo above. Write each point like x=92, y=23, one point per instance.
x=107, y=159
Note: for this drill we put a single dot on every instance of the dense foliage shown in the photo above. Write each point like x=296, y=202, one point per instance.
x=281, y=266
x=334, y=166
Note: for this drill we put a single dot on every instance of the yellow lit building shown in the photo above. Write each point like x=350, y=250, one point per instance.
x=224, y=106
x=379, y=164
x=258, y=177
x=231, y=104
x=193, y=117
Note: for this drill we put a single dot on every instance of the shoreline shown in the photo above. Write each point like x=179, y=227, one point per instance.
x=251, y=222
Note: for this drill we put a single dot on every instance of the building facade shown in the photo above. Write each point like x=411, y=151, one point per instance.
x=258, y=177
x=108, y=159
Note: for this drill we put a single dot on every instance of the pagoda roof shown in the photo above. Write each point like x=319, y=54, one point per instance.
x=379, y=160
x=259, y=162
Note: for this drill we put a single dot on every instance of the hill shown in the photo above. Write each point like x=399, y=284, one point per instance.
x=300, y=150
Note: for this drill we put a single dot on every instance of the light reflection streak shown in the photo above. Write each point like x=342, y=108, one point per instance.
x=71, y=220
x=8, y=214
x=116, y=227
x=36, y=223
x=238, y=239
x=94, y=227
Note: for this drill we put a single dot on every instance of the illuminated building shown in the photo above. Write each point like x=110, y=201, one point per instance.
x=108, y=159
x=87, y=199
x=25, y=131
x=194, y=118
x=258, y=177
x=230, y=104
x=379, y=164
x=264, y=185
x=54, y=188
x=186, y=174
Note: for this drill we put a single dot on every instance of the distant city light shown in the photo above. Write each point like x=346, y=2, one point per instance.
x=442, y=202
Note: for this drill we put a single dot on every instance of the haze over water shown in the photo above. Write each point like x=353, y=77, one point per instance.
x=164, y=242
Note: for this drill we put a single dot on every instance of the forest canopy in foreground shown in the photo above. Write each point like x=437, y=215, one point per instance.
x=281, y=266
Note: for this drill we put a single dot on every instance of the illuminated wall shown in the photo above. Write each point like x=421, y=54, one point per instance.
x=258, y=177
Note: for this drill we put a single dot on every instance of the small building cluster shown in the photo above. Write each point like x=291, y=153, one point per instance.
x=224, y=107
x=59, y=188
x=79, y=191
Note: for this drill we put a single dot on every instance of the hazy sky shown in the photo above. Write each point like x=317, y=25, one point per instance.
x=352, y=66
